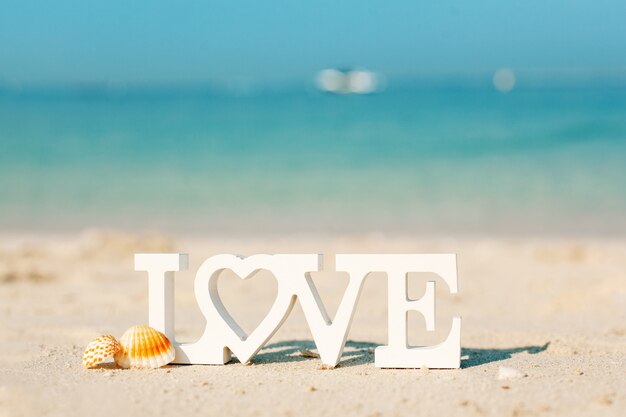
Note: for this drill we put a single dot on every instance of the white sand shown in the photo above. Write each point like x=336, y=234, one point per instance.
x=555, y=310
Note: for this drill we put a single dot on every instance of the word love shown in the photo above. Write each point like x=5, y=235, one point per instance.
x=223, y=337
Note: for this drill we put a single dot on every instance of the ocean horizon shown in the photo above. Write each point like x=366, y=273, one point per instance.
x=440, y=160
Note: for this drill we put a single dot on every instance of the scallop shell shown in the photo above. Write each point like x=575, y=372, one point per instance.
x=98, y=350
x=144, y=347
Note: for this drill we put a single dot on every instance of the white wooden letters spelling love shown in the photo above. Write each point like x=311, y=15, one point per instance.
x=222, y=335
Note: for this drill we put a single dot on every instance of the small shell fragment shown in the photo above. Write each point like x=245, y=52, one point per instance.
x=144, y=347
x=305, y=353
x=505, y=372
x=99, y=350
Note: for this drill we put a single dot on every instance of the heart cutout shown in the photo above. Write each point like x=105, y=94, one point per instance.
x=220, y=324
x=246, y=300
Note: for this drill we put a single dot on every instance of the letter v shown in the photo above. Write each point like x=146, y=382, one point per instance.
x=330, y=336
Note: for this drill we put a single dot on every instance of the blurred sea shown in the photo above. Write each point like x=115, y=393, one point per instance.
x=432, y=161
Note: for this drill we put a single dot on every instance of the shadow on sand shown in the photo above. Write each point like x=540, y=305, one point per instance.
x=471, y=357
x=361, y=353
x=355, y=353
x=358, y=353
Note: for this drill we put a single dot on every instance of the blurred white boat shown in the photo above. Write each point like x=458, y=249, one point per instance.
x=338, y=81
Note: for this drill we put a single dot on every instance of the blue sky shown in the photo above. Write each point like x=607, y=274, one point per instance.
x=278, y=41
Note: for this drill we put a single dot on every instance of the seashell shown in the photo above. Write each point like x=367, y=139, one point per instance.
x=144, y=347
x=505, y=372
x=99, y=349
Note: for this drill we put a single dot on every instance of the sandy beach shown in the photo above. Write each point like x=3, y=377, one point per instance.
x=552, y=309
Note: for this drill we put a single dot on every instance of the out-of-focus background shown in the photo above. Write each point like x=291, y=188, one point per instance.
x=480, y=118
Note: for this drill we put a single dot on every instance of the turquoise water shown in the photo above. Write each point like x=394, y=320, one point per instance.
x=549, y=161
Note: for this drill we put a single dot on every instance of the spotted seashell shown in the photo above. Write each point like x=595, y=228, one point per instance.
x=99, y=350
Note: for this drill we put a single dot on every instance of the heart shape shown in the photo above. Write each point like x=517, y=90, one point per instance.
x=248, y=299
x=222, y=331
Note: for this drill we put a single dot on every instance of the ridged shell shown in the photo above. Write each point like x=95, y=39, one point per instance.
x=99, y=349
x=144, y=347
